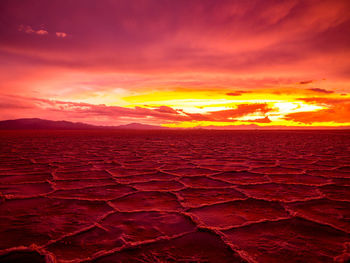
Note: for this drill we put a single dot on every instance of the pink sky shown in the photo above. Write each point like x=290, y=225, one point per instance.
x=180, y=63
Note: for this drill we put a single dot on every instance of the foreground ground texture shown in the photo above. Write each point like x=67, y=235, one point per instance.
x=175, y=196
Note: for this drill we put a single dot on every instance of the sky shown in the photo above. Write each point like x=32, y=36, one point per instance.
x=183, y=63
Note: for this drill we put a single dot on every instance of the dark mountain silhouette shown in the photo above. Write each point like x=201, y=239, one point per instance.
x=140, y=126
x=40, y=124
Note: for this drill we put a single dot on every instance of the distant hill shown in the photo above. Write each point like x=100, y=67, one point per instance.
x=139, y=126
x=40, y=124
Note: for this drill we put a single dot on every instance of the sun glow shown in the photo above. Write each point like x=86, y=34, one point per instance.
x=209, y=103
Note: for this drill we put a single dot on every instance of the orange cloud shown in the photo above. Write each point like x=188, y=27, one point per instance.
x=155, y=115
x=260, y=120
x=166, y=109
x=241, y=110
x=325, y=101
x=339, y=113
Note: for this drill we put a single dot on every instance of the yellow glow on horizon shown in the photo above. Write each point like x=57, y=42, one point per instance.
x=194, y=124
x=279, y=102
x=204, y=102
x=297, y=106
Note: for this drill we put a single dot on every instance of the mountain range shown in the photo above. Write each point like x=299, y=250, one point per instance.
x=40, y=124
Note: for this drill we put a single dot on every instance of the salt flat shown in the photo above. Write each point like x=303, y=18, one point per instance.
x=170, y=196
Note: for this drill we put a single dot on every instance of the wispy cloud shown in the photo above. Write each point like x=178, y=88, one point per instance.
x=321, y=90
x=305, y=82
x=29, y=30
x=236, y=93
x=260, y=120
x=156, y=115
x=338, y=113
x=61, y=34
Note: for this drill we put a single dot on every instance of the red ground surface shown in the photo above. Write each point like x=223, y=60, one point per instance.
x=175, y=196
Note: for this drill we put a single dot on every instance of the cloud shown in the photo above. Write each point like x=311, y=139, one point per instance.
x=236, y=93
x=158, y=114
x=26, y=29
x=90, y=112
x=166, y=109
x=305, y=82
x=260, y=120
x=321, y=90
x=29, y=30
x=61, y=34
x=231, y=36
x=240, y=111
x=337, y=114
x=325, y=101
x=41, y=32
x=18, y=106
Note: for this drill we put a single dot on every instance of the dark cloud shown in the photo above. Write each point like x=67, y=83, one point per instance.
x=261, y=120
x=305, y=82
x=321, y=90
x=236, y=93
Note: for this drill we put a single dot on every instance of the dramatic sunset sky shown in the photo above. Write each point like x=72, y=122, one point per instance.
x=177, y=63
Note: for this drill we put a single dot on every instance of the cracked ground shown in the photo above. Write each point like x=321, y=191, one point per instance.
x=175, y=196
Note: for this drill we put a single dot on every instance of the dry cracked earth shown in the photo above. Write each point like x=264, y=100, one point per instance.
x=175, y=196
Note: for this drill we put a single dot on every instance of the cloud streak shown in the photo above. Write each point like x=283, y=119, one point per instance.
x=30, y=30
x=230, y=35
x=337, y=113
x=155, y=115
x=318, y=90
